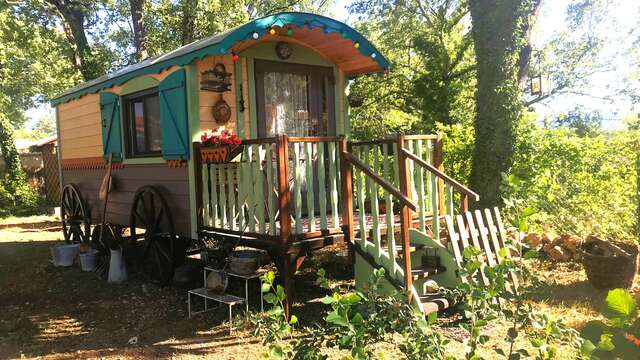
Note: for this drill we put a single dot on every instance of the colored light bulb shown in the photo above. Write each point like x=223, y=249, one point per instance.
x=289, y=31
x=255, y=35
x=272, y=31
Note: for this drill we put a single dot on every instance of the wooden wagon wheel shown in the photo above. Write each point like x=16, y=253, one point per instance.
x=156, y=249
x=76, y=222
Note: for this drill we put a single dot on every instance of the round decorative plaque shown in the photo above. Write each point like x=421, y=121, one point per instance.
x=221, y=112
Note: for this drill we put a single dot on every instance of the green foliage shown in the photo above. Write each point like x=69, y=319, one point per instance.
x=485, y=295
x=579, y=184
x=617, y=336
x=431, y=78
x=273, y=326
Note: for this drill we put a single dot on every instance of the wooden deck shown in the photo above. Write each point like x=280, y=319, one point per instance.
x=290, y=196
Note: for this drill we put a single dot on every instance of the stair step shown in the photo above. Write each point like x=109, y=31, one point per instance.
x=426, y=271
x=434, y=303
x=412, y=248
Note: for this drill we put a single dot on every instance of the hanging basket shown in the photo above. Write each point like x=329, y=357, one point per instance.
x=610, y=269
x=219, y=154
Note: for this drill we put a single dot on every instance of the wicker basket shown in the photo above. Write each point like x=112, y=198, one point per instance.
x=609, y=272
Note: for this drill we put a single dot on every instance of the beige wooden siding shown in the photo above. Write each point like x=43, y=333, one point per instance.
x=80, y=123
x=209, y=98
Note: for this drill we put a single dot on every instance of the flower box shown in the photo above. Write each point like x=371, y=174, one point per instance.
x=219, y=153
x=221, y=146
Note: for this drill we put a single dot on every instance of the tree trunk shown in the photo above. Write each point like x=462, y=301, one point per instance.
x=500, y=33
x=73, y=14
x=189, y=12
x=139, y=30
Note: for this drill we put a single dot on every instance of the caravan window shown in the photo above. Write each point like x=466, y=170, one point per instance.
x=142, y=124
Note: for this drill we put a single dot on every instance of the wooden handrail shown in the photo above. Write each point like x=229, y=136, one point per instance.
x=313, y=139
x=268, y=140
x=381, y=181
x=420, y=137
x=373, y=142
x=461, y=188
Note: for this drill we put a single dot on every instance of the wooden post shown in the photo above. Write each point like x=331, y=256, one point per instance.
x=347, y=196
x=438, y=162
x=464, y=203
x=405, y=215
x=285, y=219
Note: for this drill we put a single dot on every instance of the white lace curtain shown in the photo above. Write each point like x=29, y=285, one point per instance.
x=286, y=104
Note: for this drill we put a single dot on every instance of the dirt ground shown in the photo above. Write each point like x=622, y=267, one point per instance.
x=64, y=313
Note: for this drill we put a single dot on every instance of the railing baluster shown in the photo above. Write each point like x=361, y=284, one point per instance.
x=213, y=175
x=297, y=193
x=430, y=179
x=322, y=199
x=375, y=212
x=449, y=200
x=435, y=225
x=232, y=198
x=362, y=219
x=223, y=197
x=259, y=187
x=270, y=186
x=308, y=162
x=413, y=194
x=240, y=180
x=333, y=184
x=420, y=189
x=389, y=218
x=251, y=199
x=206, y=194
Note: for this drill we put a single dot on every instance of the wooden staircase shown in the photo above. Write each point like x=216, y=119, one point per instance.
x=400, y=183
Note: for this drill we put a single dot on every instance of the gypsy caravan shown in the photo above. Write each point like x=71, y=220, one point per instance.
x=150, y=151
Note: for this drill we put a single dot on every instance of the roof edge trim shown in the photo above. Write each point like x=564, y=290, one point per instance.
x=221, y=44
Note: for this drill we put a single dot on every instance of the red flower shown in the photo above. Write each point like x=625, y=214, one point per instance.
x=220, y=136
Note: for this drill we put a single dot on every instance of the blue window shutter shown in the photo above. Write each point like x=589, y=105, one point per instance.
x=174, y=123
x=111, y=127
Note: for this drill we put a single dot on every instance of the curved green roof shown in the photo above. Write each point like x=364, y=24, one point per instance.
x=220, y=44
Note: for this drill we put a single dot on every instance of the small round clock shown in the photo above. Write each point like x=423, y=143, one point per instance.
x=283, y=50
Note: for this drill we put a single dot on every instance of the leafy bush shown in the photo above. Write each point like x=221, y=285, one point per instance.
x=18, y=198
x=619, y=335
x=577, y=184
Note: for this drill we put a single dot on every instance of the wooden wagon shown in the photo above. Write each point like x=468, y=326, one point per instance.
x=296, y=183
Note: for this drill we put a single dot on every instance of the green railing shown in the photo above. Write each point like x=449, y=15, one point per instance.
x=398, y=184
x=289, y=183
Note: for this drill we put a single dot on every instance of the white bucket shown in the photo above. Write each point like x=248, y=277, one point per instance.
x=65, y=255
x=117, y=271
x=88, y=260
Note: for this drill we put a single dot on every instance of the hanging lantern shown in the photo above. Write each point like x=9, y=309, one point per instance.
x=540, y=85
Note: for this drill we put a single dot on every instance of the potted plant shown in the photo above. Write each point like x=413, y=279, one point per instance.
x=219, y=146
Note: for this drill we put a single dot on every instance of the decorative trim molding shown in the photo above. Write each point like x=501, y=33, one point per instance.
x=88, y=163
x=177, y=163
